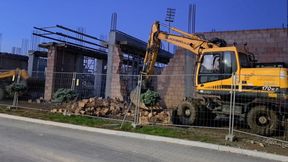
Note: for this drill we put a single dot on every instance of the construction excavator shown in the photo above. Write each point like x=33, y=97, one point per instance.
x=6, y=77
x=260, y=98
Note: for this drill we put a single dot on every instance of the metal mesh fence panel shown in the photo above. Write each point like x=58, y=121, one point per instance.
x=8, y=81
x=176, y=100
x=261, y=105
x=181, y=103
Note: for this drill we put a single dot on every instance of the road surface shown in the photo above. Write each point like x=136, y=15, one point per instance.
x=23, y=141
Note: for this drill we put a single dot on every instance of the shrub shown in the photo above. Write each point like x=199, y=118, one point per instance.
x=64, y=95
x=150, y=98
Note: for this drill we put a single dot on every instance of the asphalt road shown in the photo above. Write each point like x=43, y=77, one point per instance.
x=26, y=142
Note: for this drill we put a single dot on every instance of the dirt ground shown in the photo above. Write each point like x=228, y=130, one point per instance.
x=243, y=141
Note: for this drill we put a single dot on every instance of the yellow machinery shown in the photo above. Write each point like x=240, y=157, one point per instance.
x=12, y=74
x=260, y=92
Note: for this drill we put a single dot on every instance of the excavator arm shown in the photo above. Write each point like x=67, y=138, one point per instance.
x=13, y=73
x=184, y=40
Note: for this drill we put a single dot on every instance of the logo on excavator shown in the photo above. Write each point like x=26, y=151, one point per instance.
x=269, y=88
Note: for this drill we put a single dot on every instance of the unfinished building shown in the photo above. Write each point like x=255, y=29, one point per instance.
x=121, y=61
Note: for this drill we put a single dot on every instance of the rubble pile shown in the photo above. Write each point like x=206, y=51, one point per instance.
x=113, y=108
x=94, y=107
x=155, y=116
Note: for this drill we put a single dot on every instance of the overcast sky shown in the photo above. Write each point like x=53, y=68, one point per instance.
x=134, y=16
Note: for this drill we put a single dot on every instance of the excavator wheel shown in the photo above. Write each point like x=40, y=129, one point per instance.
x=188, y=113
x=263, y=120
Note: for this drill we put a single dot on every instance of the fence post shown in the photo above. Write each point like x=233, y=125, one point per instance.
x=137, y=108
x=231, y=137
x=15, y=98
x=73, y=81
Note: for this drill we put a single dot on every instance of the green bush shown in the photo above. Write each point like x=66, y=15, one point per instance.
x=150, y=98
x=64, y=95
x=15, y=87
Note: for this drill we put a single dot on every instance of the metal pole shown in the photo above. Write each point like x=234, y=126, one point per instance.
x=15, y=99
x=230, y=136
x=233, y=106
x=73, y=81
x=169, y=33
x=231, y=100
x=138, y=93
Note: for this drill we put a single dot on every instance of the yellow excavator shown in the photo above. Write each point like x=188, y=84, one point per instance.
x=261, y=93
x=11, y=75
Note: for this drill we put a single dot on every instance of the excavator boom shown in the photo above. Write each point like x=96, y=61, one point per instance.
x=185, y=40
x=23, y=74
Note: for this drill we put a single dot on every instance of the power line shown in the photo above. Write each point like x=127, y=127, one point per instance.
x=170, y=17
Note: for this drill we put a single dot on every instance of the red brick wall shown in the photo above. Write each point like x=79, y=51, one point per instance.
x=171, y=84
x=118, y=87
x=268, y=45
x=50, y=77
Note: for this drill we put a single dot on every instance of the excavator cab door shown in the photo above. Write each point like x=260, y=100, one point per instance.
x=215, y=66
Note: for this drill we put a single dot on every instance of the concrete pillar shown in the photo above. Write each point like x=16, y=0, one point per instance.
x=31, y=59
x=111, y=48
x=49, y=78
x=118, y=86
x=98, y=77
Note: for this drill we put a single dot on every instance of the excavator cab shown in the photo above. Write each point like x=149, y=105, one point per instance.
x=216, y=66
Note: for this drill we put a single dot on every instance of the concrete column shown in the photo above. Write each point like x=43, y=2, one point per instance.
x=31, y=57
x=98, y=77
x=49, y=78
x=111, y=48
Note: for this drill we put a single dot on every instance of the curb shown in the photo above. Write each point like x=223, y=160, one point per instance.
x=154, y=138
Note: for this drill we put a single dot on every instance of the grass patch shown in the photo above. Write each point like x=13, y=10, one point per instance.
x=204, y=135
x=108, y=124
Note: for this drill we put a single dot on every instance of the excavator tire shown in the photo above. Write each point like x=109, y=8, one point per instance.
x=263, y=120
x=188, y=113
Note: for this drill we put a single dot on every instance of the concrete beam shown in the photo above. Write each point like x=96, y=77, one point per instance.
x=136, y=46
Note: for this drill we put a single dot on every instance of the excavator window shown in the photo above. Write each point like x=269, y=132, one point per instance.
x=245, y=61
x=216, y=66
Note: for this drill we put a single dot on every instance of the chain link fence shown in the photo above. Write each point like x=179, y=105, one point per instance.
x=218, y=102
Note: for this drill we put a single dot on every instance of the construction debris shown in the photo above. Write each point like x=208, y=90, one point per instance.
x=94, y=107
x=152, y=117
x=113, y=108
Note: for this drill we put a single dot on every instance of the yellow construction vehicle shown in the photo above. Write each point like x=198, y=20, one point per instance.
x=261, y=99
x=6, y=77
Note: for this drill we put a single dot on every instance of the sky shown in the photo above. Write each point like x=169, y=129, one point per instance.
x=135, y=17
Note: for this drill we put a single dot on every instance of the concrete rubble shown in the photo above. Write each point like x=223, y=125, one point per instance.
x=112, y=108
